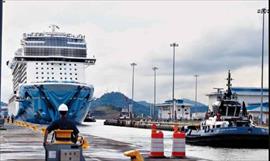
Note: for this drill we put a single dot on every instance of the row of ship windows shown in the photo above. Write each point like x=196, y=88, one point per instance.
x=58, y=39
x=57, y=63
x=64, y=44
x=60, y=73
x=55, y=52
x=59, y=68
x=60, y=78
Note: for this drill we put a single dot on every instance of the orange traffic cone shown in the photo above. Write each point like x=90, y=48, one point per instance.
x=179, y=143
x=157, y=146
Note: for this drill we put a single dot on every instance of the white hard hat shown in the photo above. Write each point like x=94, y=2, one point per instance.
x=63, y=107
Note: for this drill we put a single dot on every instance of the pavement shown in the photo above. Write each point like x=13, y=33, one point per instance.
x=23, y=144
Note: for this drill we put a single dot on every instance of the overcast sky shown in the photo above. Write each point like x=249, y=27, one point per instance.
x=213, y=37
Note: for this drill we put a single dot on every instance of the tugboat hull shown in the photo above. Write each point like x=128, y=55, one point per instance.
x=231, y=141
x=237, y=137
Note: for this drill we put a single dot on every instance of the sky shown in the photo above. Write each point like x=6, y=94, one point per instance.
x=213, y=37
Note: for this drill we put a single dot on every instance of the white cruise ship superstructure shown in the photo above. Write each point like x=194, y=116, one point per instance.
x=48, y=70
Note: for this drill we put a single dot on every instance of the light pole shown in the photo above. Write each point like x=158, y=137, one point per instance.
x=173, y=45
x=155, y=75
x=132, y=96
x=1, y=8
x=262, y=11
x=196, y=91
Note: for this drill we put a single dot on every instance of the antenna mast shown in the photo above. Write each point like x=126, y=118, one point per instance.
x=229, y=84
x=54, y=27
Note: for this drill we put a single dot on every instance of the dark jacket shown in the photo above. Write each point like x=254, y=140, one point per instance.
x=64, y=124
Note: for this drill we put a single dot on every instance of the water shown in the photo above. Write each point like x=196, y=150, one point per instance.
x=140, y=138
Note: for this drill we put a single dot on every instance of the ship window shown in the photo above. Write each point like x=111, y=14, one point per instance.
x=76, y=74
x=36, y=77
x=52, y=77
x=60, y=73
x=51, y=63
x=65, y=68
x=48, y=77
x=76, y=78
x=60, y=64
x=36, y=63
x=47, y=72
x=42, y=77
x=60, y=68
x=65, y=78
x=64, y=63
x=52, y=68
x=65, y=73
x=47, y=68
x=47, y=63
x=69, y=64
x=52, y=72
x=36, y=72
x=70, y=73
x=36, y=67
x=61, y=78
x=70, y=69
x=42, y=68
x=75, y=69
x=179, y=109
x=70, y=78
x=42, y=72
x=41, y=63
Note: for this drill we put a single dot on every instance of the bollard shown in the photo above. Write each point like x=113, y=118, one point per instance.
x=34, y=128
x=178, y=149
x=134, y=155
x=43, y=129
x=85, y=144
x=157, y=146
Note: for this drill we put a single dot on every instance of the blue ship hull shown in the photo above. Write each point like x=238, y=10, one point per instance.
x=230, y=137
x=39, y=102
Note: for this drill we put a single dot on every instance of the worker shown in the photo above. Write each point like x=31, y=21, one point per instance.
x=63, y=124
x=12, y=118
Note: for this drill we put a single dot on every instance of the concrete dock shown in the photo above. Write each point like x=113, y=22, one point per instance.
x=22, y=143
x=167, y=126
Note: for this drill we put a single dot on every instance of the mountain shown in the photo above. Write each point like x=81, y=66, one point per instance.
x=113, y=102
x=117, y=101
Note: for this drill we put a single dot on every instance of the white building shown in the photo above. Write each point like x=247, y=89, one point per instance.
x=254, y=109
x=165, y=112
x=247, y=94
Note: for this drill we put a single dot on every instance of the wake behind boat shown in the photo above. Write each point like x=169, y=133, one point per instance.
x=228, y=125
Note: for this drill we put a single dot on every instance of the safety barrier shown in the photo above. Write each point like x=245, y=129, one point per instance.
x=157, y=146
x=178, y=149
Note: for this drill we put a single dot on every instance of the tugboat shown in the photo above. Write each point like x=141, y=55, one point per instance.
x=228, y=126
x=90, y=117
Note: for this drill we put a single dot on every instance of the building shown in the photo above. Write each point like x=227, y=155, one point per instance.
x=185, y=109
x=247, y=94
x=254, y=109
x=165, y=112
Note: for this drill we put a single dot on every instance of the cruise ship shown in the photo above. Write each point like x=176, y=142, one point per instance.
x=48, y=70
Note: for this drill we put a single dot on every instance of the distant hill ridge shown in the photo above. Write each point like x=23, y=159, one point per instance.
x=118, y=100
